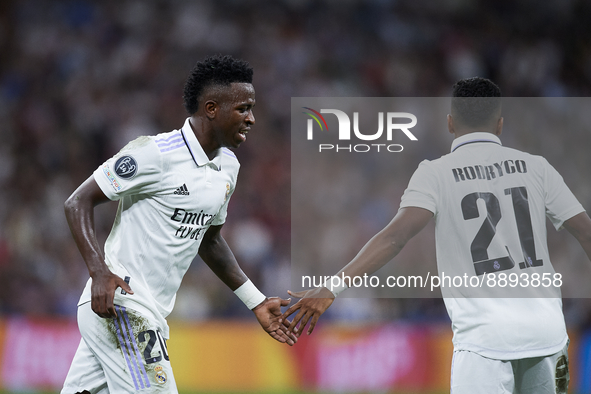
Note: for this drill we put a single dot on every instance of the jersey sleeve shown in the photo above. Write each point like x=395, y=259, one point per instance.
x=561, y=203
x=422, y=189
x=136, y=169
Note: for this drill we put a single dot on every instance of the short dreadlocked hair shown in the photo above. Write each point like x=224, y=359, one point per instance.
x=475, y=101
x=214, y=70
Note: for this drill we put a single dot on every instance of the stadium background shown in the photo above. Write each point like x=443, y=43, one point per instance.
x=78, y=79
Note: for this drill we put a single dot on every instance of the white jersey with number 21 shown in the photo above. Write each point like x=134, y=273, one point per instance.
x=490, y=205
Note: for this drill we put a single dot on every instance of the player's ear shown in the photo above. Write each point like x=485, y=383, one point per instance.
x=450, y=124
x=499, y=130
x=210, y=108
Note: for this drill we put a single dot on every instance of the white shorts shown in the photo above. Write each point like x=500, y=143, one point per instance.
x=474, y=374
x=123, y=355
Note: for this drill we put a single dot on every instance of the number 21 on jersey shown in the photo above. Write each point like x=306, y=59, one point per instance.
x=484, y=236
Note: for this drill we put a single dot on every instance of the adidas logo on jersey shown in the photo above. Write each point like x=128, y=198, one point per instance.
x=183, y=191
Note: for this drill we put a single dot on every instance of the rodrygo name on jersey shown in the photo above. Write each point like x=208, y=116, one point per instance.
x=489, y=171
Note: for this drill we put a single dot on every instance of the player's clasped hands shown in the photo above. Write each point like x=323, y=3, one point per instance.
x=268, y=313
x=312, y=304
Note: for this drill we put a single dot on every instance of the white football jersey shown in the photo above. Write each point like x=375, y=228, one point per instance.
x=490, y=205
x=169, y=194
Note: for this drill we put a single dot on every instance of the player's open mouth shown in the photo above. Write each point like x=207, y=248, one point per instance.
x=243, y=134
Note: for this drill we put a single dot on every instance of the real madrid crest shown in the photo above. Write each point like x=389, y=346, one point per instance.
x=160, y=375
x=227, y=191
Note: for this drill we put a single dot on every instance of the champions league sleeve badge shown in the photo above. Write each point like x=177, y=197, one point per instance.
x=126, y=167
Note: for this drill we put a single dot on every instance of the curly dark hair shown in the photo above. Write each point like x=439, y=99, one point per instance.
x=476, y=101
x=214, y=70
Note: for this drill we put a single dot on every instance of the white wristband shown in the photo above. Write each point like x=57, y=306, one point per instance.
x=337, y=289
x=249, y=294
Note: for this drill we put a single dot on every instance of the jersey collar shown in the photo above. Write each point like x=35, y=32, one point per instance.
x=472, y=138
x=197, y=152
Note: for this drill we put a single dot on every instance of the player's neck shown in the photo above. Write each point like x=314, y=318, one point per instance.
x=459, y=129
x=461, y=133
x=206, y=140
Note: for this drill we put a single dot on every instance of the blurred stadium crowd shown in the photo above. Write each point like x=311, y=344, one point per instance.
x=80, y=78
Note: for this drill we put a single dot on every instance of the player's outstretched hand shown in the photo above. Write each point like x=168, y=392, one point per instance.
x=313, y=303
x=103, y=291
x=268, y=313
